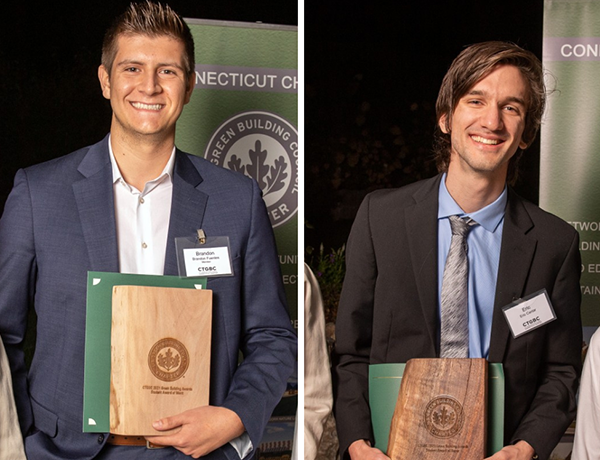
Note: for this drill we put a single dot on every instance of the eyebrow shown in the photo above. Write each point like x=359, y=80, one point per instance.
x=513, y=99
x=140, y=63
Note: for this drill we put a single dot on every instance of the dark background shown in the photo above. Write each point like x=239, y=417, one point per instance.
x=372, y=73
x=49, y=55
x=372, y=76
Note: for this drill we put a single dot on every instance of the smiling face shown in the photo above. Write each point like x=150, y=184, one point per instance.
x=487, y=124
x=147, y=86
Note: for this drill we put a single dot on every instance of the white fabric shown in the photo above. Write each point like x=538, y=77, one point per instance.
x=142, y=219
x=586, y=445
x=295, y=453
x=11, y=442
x=318, y=399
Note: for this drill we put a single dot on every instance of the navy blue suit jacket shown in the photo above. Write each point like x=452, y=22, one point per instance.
x=59, y=222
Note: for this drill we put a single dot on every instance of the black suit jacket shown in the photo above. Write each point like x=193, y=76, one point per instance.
x=388, y=311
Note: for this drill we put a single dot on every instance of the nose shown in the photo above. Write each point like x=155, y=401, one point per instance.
x=150, y=83
x=492, y=118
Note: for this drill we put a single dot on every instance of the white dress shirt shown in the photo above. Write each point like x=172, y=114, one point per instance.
x=142, y=219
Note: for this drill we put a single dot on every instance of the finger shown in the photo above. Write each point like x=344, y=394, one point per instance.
x=167, y=423
x=168, y=439
x=160, y=440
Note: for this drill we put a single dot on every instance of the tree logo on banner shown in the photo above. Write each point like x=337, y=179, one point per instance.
x=263, y=146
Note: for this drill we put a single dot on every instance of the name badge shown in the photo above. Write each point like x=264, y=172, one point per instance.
x=213, y=261
x=529, y=313
x=202, y=255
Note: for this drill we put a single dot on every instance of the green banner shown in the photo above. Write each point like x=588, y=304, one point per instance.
x=570, y=139
x=243, y=115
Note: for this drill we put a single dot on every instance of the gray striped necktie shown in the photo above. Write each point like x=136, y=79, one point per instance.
x=454, y=341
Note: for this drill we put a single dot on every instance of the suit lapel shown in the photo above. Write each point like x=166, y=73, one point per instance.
x=187, y=207
x=516, y=256
x=95, y=204
x=421, y=229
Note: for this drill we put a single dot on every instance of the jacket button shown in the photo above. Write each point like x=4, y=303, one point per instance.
x=100, y=439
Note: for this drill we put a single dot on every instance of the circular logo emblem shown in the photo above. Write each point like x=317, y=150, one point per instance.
x=444, y=417
x=263, y=146
x=168, y=359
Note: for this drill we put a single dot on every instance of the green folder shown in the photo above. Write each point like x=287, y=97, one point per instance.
x=96, y=380
x=384, y=386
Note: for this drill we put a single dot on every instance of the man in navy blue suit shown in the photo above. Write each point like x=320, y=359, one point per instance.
x=118, y=206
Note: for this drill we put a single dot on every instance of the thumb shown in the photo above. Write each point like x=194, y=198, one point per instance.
x=167, y=423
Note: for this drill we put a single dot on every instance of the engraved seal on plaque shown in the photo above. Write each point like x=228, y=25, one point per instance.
x=443, y=417
x=168, y=359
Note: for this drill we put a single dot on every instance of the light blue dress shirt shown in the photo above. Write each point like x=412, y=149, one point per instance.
x=484, y=243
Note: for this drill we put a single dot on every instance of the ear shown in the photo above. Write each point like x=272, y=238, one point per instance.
x=190, y=87
x=104, y=81
x=522, y=144
x=442, y=124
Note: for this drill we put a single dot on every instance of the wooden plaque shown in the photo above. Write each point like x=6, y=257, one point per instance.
x=441, y=411
x=160, y=355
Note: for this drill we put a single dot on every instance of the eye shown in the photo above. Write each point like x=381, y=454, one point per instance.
x=474, y=102
x=512, y=109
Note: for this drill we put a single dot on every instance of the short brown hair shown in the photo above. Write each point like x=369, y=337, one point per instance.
x=470, y=66
x=153, y=20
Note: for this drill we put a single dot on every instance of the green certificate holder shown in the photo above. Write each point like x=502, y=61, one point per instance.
x=96, y=383
x=384, y=385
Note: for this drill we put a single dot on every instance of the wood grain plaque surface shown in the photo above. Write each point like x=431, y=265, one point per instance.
x=160, y=355
x=441, y=411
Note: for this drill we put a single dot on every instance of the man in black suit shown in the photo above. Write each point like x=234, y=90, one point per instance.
x=489, y=110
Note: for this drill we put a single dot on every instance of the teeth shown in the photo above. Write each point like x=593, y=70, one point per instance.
x=139, y=105
x=483, y=140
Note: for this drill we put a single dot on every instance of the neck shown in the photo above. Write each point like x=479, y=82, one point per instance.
x=475, y=193
x=140, y=159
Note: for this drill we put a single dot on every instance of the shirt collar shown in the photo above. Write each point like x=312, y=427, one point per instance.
x=116, y=172
x=488, y=217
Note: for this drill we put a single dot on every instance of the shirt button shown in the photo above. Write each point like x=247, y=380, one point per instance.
x=100, y=439
x=141, y=200
x=144, y=245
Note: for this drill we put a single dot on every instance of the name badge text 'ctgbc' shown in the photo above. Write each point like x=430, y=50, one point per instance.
x=529, y=313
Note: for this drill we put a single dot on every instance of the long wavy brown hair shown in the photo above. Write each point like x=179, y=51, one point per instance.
x=470, y=66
